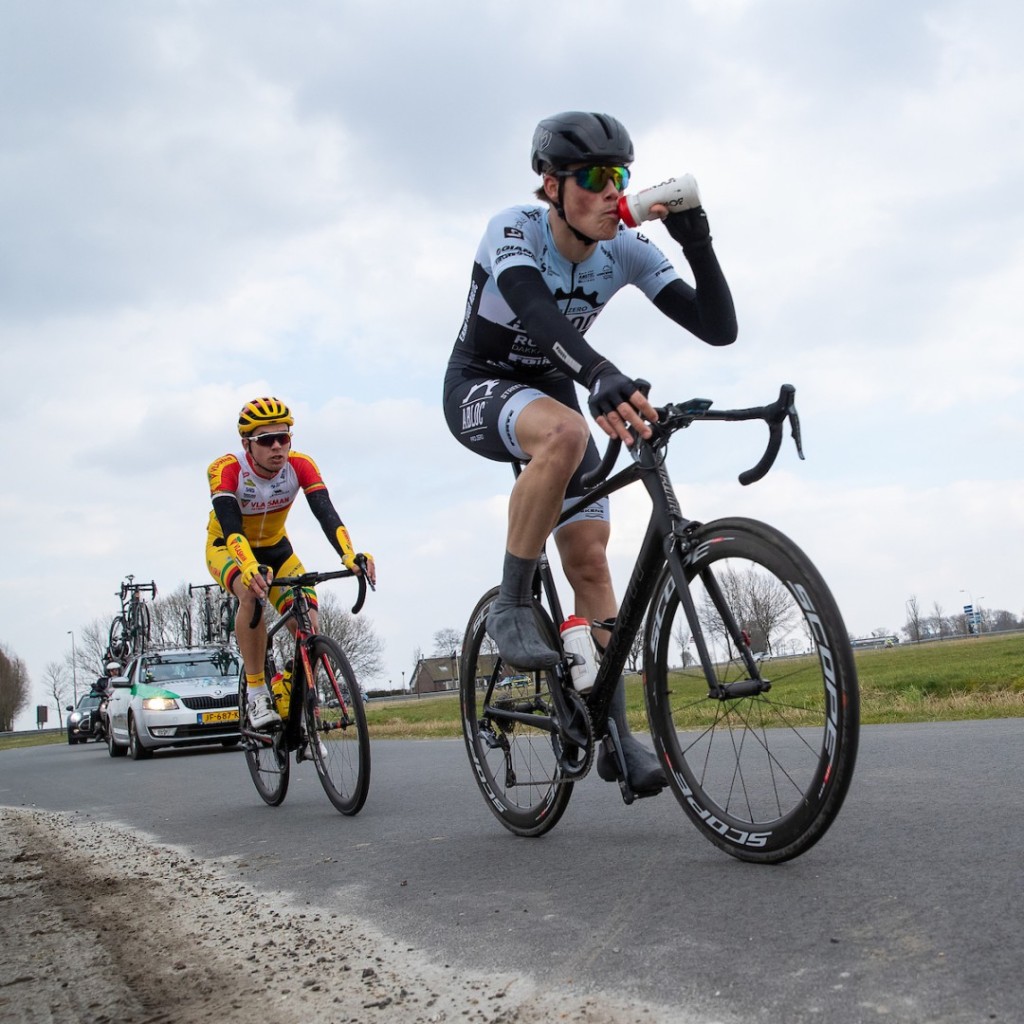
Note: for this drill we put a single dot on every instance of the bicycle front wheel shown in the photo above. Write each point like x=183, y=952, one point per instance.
x=514, y=763
x=761, y=755
x=186, y=627
x=336, y=728
x=268, y=763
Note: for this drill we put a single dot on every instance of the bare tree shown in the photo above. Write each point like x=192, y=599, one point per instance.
x=681, y=635
x=446, y=641
x=636, y=650
x=13, y=687
x=761, y=603
x=417, y=657
x=167, y=617
x=55, y=677
x=1002, y=619
x=915, y=620
x=940, y=624
x=356, y=635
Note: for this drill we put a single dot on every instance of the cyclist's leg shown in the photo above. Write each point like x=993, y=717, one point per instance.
x=508, y=420
x=252, y=641
x=289, y=564
x=582, y=544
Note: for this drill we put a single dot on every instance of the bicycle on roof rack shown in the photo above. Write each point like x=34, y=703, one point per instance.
x=217, y=615
x=757, y=729
x=130, y=630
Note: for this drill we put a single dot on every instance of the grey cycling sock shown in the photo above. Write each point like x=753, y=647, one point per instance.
x=645, y=770
x=511, y=621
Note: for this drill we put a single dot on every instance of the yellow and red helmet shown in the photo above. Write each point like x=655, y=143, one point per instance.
x=263, y=412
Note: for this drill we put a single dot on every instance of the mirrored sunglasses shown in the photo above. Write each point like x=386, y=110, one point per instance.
x=594, y=178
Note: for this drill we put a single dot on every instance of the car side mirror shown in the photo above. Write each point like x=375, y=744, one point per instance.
x=70, y=707
x=120, y=682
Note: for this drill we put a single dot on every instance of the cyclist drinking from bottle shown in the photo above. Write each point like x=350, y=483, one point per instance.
x=541, y=276
x=252, y=492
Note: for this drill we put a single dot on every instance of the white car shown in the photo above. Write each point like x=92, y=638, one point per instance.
x=176, y=697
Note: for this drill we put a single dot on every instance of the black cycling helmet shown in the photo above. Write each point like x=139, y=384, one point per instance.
x=578, y=137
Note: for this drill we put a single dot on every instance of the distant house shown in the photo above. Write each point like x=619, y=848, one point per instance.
x=435, y=675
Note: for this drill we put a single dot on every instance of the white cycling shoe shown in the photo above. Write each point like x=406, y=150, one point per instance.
x=261, y=712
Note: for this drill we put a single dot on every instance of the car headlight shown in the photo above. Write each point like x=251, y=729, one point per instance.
x=74, y=718
x=159, y=704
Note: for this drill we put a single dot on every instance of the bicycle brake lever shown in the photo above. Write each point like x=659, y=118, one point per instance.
x=794, y=427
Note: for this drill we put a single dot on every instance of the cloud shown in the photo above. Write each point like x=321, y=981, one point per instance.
x=205, y=202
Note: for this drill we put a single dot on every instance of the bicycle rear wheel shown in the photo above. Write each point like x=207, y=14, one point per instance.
x=141, y=632
x=228, y=604
x=514, y=763
x=762, y=772
x=268, y=763
x=118, y=639
x=336, y=728
x=186, y=627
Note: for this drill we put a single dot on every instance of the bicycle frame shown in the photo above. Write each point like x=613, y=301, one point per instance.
x=299, y=613
x=665, y=539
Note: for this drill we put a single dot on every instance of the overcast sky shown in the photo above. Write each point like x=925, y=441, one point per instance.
x=206, y=201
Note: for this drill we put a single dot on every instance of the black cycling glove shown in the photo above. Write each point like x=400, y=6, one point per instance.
x=608, y=389
x=690, y=229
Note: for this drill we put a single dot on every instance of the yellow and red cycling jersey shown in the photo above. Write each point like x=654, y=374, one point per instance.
x=264, y=503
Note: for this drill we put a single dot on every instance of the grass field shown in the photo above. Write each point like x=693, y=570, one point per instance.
x=977, y=677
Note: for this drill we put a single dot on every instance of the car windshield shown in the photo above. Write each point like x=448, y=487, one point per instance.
x=201, y=667
x=89, y=702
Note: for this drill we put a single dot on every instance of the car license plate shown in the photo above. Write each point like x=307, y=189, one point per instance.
x=219, y=716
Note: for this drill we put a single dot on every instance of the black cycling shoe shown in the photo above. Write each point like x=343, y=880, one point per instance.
x=646, y=774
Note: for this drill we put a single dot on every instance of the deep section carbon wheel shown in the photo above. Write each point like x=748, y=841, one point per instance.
x=761, y=759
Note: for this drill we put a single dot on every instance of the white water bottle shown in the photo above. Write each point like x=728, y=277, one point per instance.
x=576, y=639
x=676, y=193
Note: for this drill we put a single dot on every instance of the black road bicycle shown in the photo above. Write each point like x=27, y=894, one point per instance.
x=130, y=630
x=325, y=720
x=217, y=618
x=757, y=728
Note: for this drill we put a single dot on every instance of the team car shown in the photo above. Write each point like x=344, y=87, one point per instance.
x=174, y=697
x=83, y=719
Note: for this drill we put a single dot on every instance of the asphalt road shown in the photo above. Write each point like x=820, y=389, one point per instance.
x=909, y=910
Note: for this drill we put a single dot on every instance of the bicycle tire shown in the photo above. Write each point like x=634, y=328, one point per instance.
x=762, y=776
x=226, y=618
x=186, y=627
x=336, y=729
x=514, y=764
x=268, y=764
x=142, y=626
x=117, y=640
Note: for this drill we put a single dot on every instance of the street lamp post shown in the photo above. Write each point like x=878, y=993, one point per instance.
x=74, y=668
